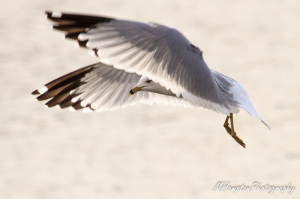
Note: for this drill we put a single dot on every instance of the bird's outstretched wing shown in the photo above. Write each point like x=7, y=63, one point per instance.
x=161, y=53
x=100, y=87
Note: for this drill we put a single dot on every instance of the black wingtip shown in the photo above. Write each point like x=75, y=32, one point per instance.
x=82, y=43
x=85, y=18
x=96, y=52
x=48, y=12
x=72, y=36
x=36, y=92
x=90, y=106
x=77, y=105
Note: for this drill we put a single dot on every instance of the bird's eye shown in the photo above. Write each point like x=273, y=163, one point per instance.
x=149, y=81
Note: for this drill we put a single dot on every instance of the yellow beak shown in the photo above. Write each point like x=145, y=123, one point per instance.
x=134, y=90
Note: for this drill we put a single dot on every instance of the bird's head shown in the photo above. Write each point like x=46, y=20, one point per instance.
x=144, y=83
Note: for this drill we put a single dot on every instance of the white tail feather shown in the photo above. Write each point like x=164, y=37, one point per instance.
x=242, y=98
x=240, y=95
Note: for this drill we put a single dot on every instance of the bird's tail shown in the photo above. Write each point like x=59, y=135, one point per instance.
x=239, y=94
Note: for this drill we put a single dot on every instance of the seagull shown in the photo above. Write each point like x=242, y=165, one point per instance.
x=140, y=63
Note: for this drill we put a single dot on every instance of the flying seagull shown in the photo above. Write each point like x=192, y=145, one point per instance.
x=140, y=63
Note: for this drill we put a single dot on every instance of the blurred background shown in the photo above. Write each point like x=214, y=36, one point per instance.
x=143, y=151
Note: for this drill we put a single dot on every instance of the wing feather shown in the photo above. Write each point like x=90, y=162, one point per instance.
x=100, y=87
x=161, y=53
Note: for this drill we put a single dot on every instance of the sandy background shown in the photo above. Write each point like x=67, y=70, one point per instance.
x=159, y=151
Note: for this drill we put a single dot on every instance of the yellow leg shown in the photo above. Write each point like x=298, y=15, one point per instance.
x=226, y=125
x=231, y=130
